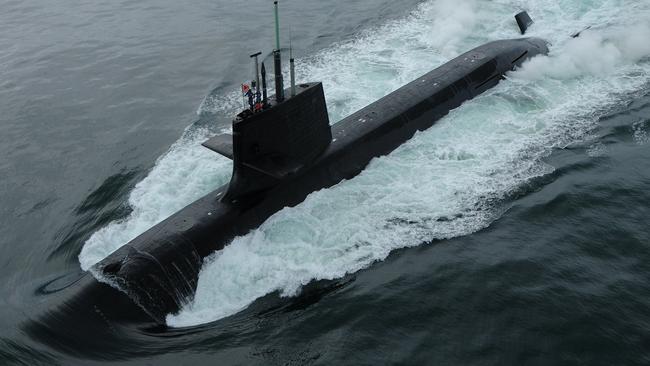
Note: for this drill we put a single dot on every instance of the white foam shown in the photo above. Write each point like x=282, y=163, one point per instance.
x=640, y=132
x=448, y=181
x=445, y=182
x=359, y=71
x=597, y=53
x=185, y=173
x=377, y=61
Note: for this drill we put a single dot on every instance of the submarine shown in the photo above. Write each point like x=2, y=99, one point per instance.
x=283, y=148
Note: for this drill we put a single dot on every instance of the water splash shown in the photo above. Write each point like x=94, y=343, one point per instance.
x=450, y=180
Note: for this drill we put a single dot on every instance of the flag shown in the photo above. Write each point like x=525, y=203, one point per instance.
x=245, y=89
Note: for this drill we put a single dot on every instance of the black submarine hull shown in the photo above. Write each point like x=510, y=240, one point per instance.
x=159, y=269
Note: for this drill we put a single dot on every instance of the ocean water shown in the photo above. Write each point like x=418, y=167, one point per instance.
x=512, y=232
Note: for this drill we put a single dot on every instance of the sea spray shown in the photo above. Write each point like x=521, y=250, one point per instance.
x=386, y=57
x=596, y=53
x=451, y=180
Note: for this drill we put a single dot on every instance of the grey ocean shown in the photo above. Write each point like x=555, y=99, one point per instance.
x=513, y=232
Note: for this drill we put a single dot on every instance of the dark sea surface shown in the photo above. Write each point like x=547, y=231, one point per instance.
x=522, y=242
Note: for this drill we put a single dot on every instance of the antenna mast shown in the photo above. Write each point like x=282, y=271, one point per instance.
x=292, y=68
x=257, y=77
x=263, y=85
x=277, y=58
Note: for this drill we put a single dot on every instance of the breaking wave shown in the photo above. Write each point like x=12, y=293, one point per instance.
x=453, y=179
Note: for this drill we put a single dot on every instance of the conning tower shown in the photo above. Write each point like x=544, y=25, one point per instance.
x=277, y=136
